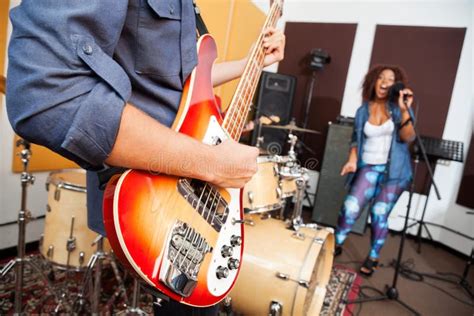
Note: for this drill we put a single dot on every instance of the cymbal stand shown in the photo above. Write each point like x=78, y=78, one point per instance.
x=292, y=139
x=24, y=215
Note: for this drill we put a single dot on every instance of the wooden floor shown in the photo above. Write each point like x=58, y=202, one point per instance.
x=427, y=297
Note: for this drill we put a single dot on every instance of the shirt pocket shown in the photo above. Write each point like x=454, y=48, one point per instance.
x=158, y=38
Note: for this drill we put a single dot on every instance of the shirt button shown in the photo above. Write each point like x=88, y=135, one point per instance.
x=171, y=9
x=87, y=49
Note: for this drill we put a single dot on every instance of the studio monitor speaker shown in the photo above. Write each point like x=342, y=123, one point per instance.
x=274, y=98
x=331, y=192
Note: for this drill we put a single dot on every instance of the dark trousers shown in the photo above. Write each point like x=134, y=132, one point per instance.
x=173, y=308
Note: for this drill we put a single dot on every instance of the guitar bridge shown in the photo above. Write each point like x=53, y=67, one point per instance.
x=184, y=254
x=206, y=200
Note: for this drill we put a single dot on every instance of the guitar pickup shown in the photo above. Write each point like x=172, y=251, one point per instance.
x=206, y=200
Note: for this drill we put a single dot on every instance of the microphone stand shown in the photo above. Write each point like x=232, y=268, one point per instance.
x=392, y=292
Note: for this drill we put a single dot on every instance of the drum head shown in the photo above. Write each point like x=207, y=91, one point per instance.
x=73, y=178
x=274, y=261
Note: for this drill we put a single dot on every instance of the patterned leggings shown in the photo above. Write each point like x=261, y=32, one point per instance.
x=365, y=187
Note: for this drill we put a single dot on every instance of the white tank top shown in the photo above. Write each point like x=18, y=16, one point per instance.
x=377, y=144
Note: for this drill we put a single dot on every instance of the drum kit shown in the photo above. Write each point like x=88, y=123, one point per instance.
x=287, y=262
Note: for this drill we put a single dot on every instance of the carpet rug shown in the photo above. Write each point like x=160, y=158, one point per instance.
x=73, y=294
x=343, y=285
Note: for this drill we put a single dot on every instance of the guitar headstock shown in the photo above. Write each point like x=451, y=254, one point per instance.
x=279, y=4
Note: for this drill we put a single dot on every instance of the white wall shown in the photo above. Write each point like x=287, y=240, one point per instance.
x=10, y=186
x=442, y=13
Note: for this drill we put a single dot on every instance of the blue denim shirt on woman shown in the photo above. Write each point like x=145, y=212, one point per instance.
x=73, y=65
x=399, y=168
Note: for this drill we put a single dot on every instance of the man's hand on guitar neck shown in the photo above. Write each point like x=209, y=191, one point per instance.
x=274, y=44
x=236, y=164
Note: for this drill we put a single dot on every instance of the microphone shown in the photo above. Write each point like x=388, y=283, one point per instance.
x=394, y=92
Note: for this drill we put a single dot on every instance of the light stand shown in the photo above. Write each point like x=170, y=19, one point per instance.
x=24, y=216
x=309, y=96
x=317, y=59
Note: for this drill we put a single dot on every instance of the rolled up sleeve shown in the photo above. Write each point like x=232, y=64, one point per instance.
x=64, y=89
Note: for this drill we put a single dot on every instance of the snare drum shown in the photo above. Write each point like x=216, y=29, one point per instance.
x=67, y=241
x=262, y=193
x=283, y=271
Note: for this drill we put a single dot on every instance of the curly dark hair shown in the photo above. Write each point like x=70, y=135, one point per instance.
x=368, y=86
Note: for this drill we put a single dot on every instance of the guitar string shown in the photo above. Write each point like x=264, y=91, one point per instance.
x=213, y=203
x=197, y=206
x=257, y=66
x=253, y=69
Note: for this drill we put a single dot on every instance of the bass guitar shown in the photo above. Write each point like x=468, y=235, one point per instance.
x=185, y=237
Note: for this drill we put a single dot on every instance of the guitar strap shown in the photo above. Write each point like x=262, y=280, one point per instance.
x=200, y=25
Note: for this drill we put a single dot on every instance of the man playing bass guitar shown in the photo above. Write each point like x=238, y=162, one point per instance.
x=100, y=83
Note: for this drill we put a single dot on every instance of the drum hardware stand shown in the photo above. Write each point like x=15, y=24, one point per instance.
x=134, y=308
x=297, y=221
x=391, y=290
x=71, y=244
x=227, y=306
x=24, y=216
x=121, y=291
x=293, y=140
x=94, y=262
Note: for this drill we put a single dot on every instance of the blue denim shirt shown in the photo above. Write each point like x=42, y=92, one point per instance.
x=399, y=168
x=73, y=65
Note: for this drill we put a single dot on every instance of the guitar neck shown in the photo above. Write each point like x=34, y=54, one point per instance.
x=240, y=105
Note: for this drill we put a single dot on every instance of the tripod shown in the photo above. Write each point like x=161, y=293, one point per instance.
x=462, y=280
x=437, y=149
x=23, y=216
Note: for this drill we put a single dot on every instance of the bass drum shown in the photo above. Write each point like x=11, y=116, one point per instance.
x=283, y=273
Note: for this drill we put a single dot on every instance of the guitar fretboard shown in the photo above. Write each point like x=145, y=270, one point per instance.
x=239, y=107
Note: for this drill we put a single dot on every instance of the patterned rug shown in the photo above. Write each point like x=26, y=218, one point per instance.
x=343, y=286
x=73, y=294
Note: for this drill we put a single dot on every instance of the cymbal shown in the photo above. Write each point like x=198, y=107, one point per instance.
x=292, y=127
x=2, y=84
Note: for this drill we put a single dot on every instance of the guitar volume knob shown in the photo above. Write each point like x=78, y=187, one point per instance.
x=227, y=251
x=222, y=272
x=235, y=241
x=233, y=264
